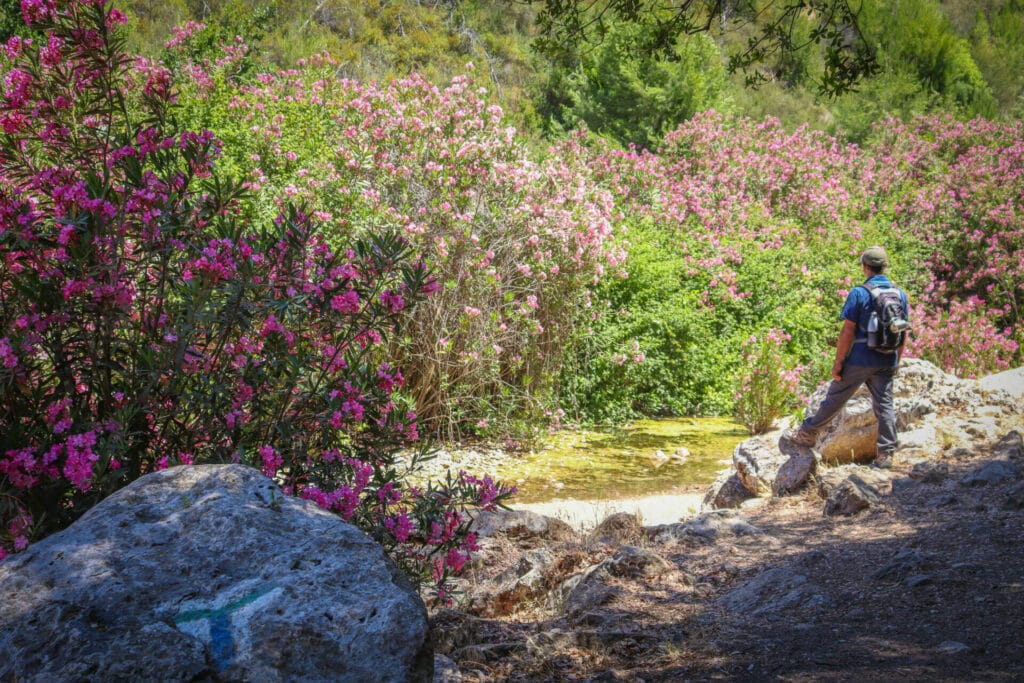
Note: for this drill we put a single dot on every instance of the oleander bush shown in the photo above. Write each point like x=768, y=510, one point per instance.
x=146, y=321
x=515, y=239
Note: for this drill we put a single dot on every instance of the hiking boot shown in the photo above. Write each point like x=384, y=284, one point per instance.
x=883, y=461
x=799, y=437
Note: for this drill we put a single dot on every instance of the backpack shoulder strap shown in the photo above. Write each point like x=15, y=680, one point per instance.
x=872, y=290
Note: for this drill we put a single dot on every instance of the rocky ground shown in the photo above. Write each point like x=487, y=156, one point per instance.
x=915, y=573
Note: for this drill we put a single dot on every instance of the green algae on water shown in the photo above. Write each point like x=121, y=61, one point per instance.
x=625, y=462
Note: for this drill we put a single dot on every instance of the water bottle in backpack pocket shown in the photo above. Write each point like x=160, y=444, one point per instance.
x=889, y=321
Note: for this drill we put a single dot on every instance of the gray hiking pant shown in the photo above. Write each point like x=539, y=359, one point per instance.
x=879, y=381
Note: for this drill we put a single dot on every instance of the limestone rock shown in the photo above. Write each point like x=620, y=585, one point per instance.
x=1010, y=381
x=209, y=573
x=706, y=528
x=851, y=436
x=775, y=590
x=961, y=453
x=757, y=462
x=1010, y=447
x=728, y=491
x=984, y=428
x=658, y=458
x=521, y=524
x=848, y=490
x=930, y=472
x=595, y=587
x=918, y=377
x=923, y=437
x=919, y=388
x=877, y=479
x=991, y=473
x=795, y=471
x=520, y=582
x=585, y=592
x=850, y=498
x=635, y=563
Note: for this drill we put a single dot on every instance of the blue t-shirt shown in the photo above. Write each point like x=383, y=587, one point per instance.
x=858, y=309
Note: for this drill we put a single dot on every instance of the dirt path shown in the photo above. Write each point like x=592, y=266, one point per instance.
x=928, y=585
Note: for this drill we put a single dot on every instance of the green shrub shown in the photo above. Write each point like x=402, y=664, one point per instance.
x=767, y=382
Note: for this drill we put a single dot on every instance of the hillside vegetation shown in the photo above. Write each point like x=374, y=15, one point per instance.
x=959, y=56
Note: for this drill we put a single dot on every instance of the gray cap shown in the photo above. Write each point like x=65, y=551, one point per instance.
x=875, y=257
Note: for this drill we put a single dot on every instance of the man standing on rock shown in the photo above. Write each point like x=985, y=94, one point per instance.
x=857, y=364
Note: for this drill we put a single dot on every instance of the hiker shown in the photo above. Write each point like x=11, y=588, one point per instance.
x=863, y=356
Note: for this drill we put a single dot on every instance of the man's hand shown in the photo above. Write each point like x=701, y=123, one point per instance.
x=837, y=371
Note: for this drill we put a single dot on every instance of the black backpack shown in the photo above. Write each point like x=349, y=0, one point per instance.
x=889, y=321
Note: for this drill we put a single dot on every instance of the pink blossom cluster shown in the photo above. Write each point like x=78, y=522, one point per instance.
x=963, y=339
x=726, y=185
x=514, y=242
x=408, y=521
x=961, y=193
x=183, y=33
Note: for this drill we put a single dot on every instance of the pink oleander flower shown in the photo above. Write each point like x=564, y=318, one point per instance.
x=79, y=459
x=347, y=302
x=270, y=460
x=7, y=355
x=393, y=301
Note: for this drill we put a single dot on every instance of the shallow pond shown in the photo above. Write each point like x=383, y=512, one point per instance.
x=625, y=462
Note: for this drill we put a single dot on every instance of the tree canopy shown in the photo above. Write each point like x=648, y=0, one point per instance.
x=847, y=56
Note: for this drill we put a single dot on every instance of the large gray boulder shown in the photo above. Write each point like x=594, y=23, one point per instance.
x=209, y=573
x=919, y=389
